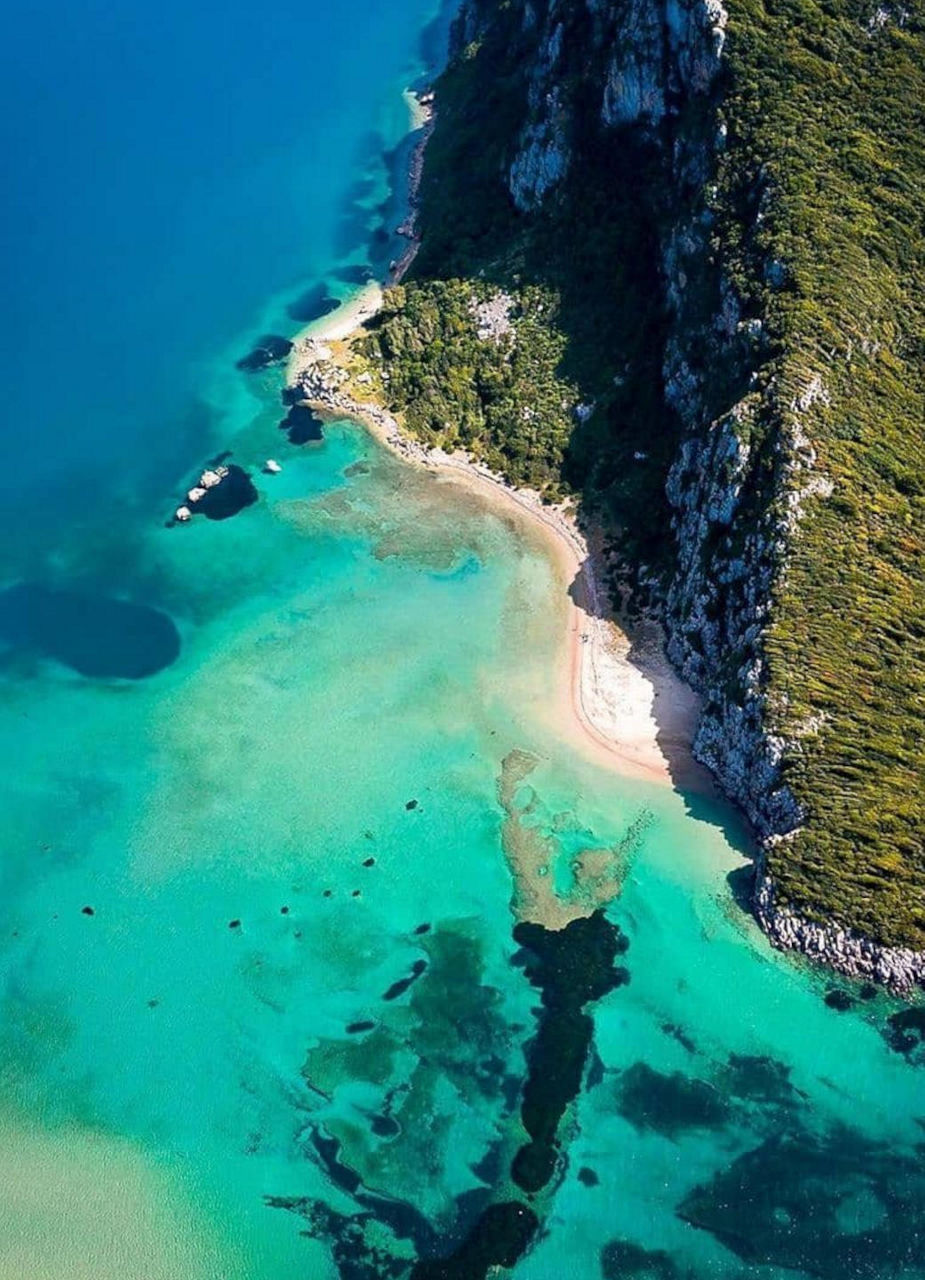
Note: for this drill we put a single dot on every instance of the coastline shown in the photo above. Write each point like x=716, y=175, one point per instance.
x=619, y=699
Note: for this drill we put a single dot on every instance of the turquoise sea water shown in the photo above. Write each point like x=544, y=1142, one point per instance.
x=213, y=876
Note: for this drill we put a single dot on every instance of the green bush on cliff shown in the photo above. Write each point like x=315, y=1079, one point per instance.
x=824, y=110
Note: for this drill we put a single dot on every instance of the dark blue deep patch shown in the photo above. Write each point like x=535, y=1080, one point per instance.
x=93, y=635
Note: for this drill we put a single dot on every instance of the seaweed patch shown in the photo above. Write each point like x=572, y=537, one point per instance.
x=669, y=1104
x=571, y=967
x=835, y=1205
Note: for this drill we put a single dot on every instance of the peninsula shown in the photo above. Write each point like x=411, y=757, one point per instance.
x=668, y=273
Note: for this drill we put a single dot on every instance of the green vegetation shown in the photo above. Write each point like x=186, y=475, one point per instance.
x=588, y=304
x=502, y=397
x=823, y=173
x=825, y=113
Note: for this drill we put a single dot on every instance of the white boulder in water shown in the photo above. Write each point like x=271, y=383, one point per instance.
x=183, y=514
x=195, y=494
x=272, y=467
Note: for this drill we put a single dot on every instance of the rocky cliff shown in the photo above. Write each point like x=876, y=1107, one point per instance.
x=630, y=86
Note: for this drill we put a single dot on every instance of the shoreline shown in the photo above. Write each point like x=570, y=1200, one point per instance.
x=620, y=700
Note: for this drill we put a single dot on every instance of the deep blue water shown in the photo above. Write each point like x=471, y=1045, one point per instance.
x=167, y=169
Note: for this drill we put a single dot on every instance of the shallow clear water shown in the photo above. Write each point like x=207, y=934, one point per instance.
x=213, y=875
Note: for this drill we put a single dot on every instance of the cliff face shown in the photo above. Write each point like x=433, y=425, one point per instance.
x=650, y=75
x=655, y=65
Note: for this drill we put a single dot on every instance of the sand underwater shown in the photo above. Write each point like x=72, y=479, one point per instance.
x=264, y=1012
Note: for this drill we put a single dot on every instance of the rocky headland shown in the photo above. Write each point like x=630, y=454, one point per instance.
x=699, y=415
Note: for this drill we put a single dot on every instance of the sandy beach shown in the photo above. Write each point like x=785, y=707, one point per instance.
x=621, y=701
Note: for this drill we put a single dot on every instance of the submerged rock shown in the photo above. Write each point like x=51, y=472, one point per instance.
x=839, y=1000
x=313, y=304
x=623, y=1260
x=906, y=1030
x=401, y=986
x=833, y=1205
x=302, y=424
x=266, y=351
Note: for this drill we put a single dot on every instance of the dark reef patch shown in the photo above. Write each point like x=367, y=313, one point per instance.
x=359, y=274
x=587, y=1177
x=624, y=1260
x=596, y=1070
x=401, y=986
x=758, y=1078
x=360, y=468
x=834, y=1206
x=356, y=1028
x=385, y=1127
x=400, y=1217
x=302, y=425
x=266, y=351
x=347, y=1236
x=500, y=1236
x=678, y=1033
x=669, y=1104
x=906, y=1030
x=313, y=304
x=94, y=635
x=571, y=967
x=839, y=999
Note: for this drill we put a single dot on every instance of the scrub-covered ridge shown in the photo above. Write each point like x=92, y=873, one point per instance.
x=672, y=259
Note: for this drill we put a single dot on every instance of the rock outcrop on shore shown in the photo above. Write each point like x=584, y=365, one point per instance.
x=221, y=492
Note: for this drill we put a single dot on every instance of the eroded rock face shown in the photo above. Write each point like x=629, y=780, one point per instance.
x=652, y=59
x=649, y=55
